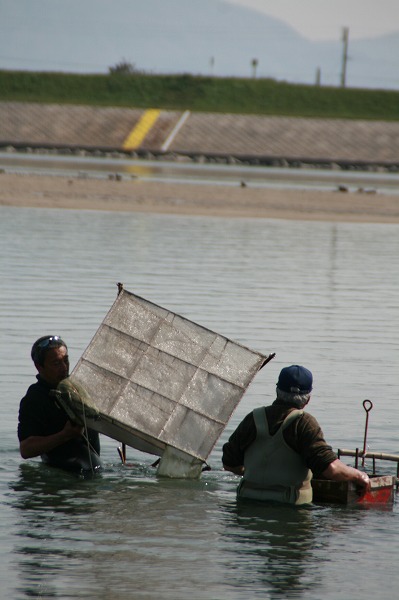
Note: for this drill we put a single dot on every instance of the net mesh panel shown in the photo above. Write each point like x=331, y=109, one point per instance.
x=158, y=374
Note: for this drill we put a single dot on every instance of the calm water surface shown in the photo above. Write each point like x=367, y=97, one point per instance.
x=321, y=294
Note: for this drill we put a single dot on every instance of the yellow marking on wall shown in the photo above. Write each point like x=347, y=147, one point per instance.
x=138, y=133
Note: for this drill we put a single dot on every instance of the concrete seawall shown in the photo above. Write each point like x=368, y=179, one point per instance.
x=265, y=140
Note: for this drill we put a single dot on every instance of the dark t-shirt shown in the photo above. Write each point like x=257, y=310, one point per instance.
x=40, y=415
x=304, y=436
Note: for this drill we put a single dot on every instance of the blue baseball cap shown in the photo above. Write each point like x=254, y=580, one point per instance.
x=295, y=380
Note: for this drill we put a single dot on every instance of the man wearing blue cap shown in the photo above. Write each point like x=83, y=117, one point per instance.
x=277, y=448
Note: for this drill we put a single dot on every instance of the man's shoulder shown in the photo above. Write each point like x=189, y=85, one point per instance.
x=36, y=391
x=309, y=417
x=304, y=421
x=308, y=421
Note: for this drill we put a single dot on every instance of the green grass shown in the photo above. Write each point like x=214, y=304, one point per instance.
x=202, y=94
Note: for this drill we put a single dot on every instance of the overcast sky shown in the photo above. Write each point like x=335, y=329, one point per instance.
x=90, y=35
x=325, y=19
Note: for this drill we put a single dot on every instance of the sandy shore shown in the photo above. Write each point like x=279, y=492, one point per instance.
x=191, y=199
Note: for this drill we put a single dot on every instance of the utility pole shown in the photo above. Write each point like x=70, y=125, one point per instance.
x=254, y=63
x=212, y=64
x=345, y=38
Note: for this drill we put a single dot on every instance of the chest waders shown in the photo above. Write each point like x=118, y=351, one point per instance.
x=273, y=470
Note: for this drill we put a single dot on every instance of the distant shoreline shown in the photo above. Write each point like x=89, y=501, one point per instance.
x=42, y=191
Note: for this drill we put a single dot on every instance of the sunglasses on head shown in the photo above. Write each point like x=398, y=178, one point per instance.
x=50, y=341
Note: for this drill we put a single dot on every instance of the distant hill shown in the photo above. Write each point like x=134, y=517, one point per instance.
x=208, y=37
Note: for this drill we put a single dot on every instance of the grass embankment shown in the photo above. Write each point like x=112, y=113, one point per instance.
x=202, y=94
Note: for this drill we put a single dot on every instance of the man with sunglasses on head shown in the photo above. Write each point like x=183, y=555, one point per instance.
x=43, y=426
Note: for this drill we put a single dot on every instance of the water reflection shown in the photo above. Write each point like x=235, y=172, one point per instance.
x=122, y=531
x=282, y=550
x=129, y=533
x=273, y=545
x=51, y=503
